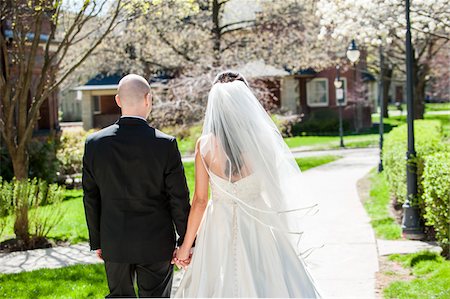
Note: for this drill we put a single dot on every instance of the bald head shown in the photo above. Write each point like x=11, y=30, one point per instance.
x=133, y=95
x=132, y=89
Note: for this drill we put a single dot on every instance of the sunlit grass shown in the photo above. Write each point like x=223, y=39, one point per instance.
x=377, y=206
x=431, y=277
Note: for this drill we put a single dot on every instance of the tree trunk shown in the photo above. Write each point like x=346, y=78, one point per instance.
x=420, y=74
x=387, y=79
x=19, y=160
x=216, y=32
x=419, y=99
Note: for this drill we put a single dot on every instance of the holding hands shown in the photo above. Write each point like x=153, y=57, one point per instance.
x=182, y=257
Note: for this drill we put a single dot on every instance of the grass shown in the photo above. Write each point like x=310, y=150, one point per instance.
x=437, y=107
x=431, y=277
x=311, y=162
x=395, y=121
x=377, y=206
x=331, y=141
x=80, y=281
x=73, y=227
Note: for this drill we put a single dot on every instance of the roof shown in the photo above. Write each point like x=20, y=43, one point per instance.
x=367, y=76
x=107, y=82
x=43, y=37
x=102, y=79
x=258, y=68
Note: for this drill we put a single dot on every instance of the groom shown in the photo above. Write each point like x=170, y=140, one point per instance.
x=135, y=195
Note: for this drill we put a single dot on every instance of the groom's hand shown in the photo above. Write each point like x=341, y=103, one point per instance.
x=99, y=254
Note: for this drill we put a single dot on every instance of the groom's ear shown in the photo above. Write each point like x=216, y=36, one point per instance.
x=118, y=101
x=149, y=99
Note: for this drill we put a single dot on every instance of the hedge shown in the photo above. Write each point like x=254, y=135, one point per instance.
x=428, y=140
x=436, y=194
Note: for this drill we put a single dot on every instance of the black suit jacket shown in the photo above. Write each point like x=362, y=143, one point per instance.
x=135, y=192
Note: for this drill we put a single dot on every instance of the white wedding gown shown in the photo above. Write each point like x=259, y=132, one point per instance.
x=235, y=256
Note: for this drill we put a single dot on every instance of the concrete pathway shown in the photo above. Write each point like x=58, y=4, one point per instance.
x=387, y=247
x=57, y=257
x=345, y=267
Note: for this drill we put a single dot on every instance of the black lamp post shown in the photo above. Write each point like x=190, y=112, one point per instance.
x=411, y=226
x=340, y=102
x=353, y=54
x=381, y=104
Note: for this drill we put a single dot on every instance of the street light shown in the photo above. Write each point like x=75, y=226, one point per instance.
x=339, y=101
x=381, y=104
x=411, y=226
x=353, y=52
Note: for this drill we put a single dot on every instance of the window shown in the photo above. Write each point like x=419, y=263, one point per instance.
x=344, y=88
x=317, y=92
x=96, y=103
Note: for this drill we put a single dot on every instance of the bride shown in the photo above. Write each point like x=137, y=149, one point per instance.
x=247, y=235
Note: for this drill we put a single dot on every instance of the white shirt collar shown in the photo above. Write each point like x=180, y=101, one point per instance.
x=133, y=116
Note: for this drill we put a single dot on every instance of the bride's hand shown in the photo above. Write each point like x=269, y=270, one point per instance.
x=183, y=256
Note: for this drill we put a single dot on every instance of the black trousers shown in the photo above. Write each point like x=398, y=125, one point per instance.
x=153, y=280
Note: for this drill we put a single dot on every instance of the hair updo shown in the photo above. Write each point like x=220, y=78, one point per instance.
x=229, y=76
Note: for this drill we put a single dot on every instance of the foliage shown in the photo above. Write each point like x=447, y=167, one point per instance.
x=377, y=206
x=187, y=137
x=70, y=151
x=80, y=281
x=428, y=135
x=34, y=65
x=321, y=121
x=286, y=124
x=5, y=208
x=43, y=161
x=431, y=277
x=436, y=193
x=27, y=200
x=383, y=23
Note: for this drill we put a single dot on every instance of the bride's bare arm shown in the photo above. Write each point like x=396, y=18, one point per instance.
x=199, y=203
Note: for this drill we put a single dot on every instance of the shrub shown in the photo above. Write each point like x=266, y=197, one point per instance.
x=436, y=195
x=70, y=152
x=321, y=121
x=43, y=162
x=286, y=124
x=5, y=207
x=35, y=205
x=42, y=159
x=428, y=137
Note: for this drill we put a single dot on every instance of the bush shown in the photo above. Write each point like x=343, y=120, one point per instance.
x=428, y=135
x=42, y=159
x=35, y=205
x=70, y=152
x=5, y=208
x=286, y=124
x=43, y=162
x=436, y=195
x=321, y=121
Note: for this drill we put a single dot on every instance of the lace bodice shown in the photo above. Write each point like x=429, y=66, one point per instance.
x=246, y=189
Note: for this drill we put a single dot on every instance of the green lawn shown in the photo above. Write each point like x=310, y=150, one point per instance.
x=330, y=142
x=431, y=277
x=81, y=281
x=437, y=107
x=377, y=206
x=399, y=120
